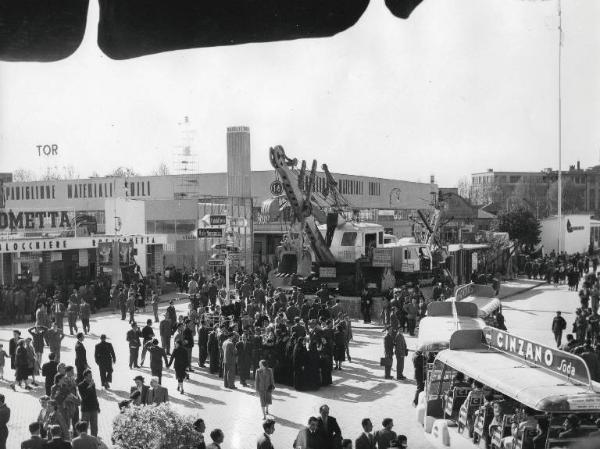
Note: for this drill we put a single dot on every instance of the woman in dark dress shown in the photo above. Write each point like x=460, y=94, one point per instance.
x=299, y=362
x=22, y=365
x=311, y=369
x=180, y=356
x=339, y=346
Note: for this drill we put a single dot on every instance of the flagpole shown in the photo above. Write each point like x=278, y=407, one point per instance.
x=560, y=227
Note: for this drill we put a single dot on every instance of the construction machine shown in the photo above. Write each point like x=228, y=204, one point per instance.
x=326, y=244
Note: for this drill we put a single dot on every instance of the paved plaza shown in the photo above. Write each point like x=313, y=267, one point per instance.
x=358, y=391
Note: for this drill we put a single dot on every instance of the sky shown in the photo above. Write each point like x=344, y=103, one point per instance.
x=460, y=87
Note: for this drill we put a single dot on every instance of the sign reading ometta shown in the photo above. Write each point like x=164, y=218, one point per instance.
x=52, y=219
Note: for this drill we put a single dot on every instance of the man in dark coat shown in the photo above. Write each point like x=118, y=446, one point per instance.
x=12, y=348
x=366, y=302
x=89, y=402
x=80, y=357
x=388, y=349
x=166, y=331
x=310, y=437
x=203, y=332
x=157, y=356
x=558, y=326
x=366, y=440
x=49, y=370
x=243, y=351
x=212, y=347
x=104, y=355
x=329, y=428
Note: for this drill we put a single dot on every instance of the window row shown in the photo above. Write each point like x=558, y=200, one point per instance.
x=180, y=227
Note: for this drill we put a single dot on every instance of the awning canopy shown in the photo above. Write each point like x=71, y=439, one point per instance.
x=435, y=331
x=530, y=385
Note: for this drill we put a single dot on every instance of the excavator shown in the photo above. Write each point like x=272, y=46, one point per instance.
x=326, y=244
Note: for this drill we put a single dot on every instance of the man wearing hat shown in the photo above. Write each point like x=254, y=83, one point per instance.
x=105, y=358
x=139, y=392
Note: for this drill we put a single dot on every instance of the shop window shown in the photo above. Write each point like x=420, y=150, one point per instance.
x=184, y=227
x=165, y=227
x=150, y=227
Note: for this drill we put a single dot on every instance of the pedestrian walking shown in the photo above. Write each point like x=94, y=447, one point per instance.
x=81, y=363
x=54, y=337
x=38, y=334
x=33, y=368
x=243, y=351
x=558, y=326
x=157, y=356
x=180, y=357
x=90, y=408
x=155, y=300
x=49, y=370
x=166, y=331
x=133, y=338
x=147, y=336
x=420, y=374
x=264, y=384
x=84, y=312
x=21, y=366
x=104, y=355
x=212, y=347
x=4, y=419
x=72, y=313
x=339, y=346
x=131, y=306
x=366, y=303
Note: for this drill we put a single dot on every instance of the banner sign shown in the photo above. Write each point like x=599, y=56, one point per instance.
x=463, y=291
x=558, y=362
x=105, y=252
x=83, y=258
x=67, y=243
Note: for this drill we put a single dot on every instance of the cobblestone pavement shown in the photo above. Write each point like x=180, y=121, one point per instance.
x=358, y=391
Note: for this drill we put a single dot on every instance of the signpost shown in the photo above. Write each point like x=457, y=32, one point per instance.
x=204, y=233
x=221, y=226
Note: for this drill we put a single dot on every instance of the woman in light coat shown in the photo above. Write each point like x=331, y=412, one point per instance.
x=264, y=385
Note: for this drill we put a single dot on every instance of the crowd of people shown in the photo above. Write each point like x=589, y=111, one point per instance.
x=263, y=334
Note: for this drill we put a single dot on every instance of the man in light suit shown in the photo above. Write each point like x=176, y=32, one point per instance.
x=157, y=394
x=310, y=437
x=229, y=361
x=366, y=440
x=264, y=441
x=84, y=441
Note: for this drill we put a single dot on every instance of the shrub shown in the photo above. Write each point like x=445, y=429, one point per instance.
x=153, y=427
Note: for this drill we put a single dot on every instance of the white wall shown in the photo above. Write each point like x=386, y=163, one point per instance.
x=577, y=240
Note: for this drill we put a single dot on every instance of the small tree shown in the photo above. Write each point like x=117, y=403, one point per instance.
x=123, y=172
x=162, y=170
x=154, y=427
x=522, y=227
x=23, y=175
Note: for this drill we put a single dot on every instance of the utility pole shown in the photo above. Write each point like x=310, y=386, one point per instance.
x=560, y=39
